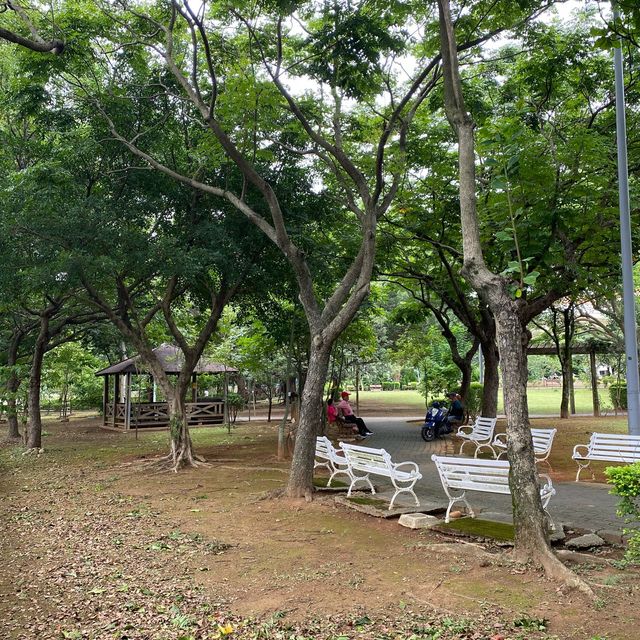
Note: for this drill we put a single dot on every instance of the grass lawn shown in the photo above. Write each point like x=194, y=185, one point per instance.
x=542, y=401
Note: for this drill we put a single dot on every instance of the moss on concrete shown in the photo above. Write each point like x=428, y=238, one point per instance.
x=480, y=528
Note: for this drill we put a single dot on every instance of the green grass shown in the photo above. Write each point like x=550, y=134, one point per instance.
x=480, y=528
x=542, y=401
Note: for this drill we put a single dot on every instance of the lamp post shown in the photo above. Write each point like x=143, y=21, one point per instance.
x=628, y=294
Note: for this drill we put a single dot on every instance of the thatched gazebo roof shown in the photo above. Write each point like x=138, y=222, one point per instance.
x=172, y=360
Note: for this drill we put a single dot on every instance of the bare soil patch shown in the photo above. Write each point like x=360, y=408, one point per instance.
x=93, y=547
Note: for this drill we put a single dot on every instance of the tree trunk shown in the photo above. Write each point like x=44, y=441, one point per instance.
x=13, y=384
x=491, y=380
x=301, y=476
x=181, y=451
x=594, y=384
x=34, y=429
x=531, y=543
x=566, y=387
x=528, y=515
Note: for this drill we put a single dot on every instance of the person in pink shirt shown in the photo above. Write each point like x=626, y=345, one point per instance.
x=347, y=413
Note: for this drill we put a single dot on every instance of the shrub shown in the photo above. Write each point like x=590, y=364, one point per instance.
x=235, y=403
x=412, y=386
x=618, y=395
x=474, y=399
x=626, y=484
x=390, y=385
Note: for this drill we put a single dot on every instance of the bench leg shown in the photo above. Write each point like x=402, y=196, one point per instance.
x=482, y=446
x=462, y=445
x=580, y=468
x=407, y=490
x=355, y=479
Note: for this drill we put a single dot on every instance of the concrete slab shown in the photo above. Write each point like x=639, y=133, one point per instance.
x=418, y=521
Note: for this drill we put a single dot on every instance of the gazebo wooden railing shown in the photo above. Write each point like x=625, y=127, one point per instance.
x=156, y=414
x=121, y=411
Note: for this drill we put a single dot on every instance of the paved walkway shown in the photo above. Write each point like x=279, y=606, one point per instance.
x=583, y=505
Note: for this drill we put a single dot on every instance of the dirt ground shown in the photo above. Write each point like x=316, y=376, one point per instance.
x=95, y=546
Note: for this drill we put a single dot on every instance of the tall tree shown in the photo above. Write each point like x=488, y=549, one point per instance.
x=531, y=541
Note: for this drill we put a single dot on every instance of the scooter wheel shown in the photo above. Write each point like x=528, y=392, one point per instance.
x=428, y=434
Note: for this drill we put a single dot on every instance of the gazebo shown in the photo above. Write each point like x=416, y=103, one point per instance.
x=126, y=405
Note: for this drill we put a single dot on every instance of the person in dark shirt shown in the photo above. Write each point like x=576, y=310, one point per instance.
x=456, y=410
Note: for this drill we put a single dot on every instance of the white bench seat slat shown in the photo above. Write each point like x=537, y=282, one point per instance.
x=363, y=461
x=481, y=434
x=489, y=476
x=607, y=447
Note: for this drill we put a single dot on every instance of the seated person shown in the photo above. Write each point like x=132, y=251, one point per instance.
x=456, y=410
x=347, y=413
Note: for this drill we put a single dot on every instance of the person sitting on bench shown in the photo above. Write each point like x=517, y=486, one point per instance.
x=347, y=413
x=456, y=410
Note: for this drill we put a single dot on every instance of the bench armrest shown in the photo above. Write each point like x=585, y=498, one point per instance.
x=500, y=440
x=416, y=469
x=461, y=430
x=580, y=446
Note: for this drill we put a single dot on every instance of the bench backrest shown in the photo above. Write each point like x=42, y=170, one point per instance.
x=483, y=428
x=473, y=473
x=366, y=458
x=324, y=448
x=615, y=446
x=542, y=439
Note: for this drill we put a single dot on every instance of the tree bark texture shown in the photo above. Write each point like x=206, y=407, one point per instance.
x=594, y=384
x=491, y=378
x=181, y=451
x=301, y=476
x=34, y=429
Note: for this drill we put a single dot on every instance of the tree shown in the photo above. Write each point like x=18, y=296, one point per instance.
x=35, y=42
x=531, y=542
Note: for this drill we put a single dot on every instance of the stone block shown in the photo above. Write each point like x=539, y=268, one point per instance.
x=586, y=541
x=418, y=520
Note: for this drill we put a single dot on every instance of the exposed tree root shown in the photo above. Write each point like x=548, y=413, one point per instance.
x=555, y=570
x=167, y=463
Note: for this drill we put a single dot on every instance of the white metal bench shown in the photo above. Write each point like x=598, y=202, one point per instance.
x=542, y=443
x=330, y=457
x=609, y=447
x=481, y=434
x=488, y=476
x=363, y=461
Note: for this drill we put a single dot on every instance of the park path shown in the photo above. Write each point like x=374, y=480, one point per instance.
x=583, y=505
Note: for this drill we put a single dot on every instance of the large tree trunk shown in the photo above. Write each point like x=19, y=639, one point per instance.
x=301, y=476
x=34, y=429
x=531, y=542
x=181, y=451
x=528, y=516
x=491, y=379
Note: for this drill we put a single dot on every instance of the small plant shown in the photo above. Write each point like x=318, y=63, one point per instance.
x=531, y=624
x=626, y=484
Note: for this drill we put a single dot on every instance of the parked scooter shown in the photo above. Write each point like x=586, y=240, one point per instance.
x=435, y=422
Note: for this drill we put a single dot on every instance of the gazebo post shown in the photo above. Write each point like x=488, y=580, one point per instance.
x=116, y=397
x=105, y=400
x=127, y=402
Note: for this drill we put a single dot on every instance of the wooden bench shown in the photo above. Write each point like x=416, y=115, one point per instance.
x=488, y=476
x=542, y=443
x=375, y=387
x=481, y=434
x=365, y=461
x=609, y=447
x=330, y=457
